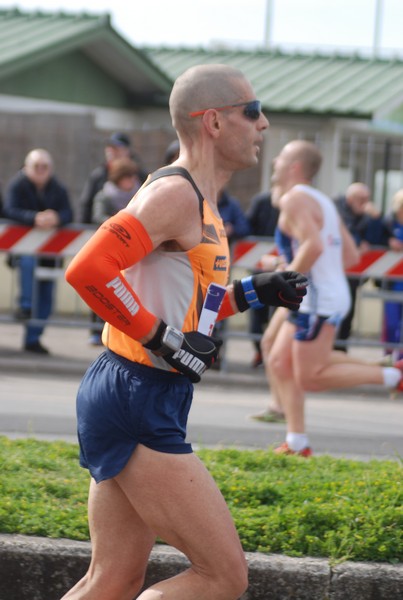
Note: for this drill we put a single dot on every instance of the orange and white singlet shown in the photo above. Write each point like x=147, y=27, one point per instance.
x=171, y=284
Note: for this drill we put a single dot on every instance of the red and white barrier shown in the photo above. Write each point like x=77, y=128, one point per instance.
x=378, y=263
x=62, y=242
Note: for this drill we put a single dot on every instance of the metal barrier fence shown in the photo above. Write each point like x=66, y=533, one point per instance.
x=378, y=264
x=60, y=244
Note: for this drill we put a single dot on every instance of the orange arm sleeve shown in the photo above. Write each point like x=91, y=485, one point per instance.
x=95, y=273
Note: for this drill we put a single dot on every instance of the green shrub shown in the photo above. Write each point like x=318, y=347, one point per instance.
x=324, y=507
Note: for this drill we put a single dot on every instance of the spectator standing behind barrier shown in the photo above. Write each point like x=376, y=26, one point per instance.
x=36, y=198
x=122, y=184
x=146, y=271
x=392, y=326
x=117, y=146
x=360, y=216
x=301, y=356
x=236, y=224
x=262, y=217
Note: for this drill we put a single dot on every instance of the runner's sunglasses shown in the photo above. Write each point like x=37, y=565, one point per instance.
x=252, y=110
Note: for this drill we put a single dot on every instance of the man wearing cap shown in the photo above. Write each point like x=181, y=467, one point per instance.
x=117, y=146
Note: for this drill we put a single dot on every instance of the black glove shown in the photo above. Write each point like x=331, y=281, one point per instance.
x=196, y=352
x=285, y=288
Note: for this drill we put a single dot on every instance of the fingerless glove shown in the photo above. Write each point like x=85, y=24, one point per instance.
x=286, y=288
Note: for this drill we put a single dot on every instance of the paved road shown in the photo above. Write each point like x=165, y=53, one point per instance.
x=37, y=397
x=360, y=426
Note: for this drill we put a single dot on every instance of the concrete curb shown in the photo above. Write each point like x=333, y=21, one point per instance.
x=33, y=568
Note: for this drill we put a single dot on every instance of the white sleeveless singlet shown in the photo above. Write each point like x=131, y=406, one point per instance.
x=328, y=292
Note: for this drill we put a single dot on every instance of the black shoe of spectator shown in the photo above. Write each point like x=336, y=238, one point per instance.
x=257, y=361
x=22, y=314
x=340, y=348
x=36, y=347
x=216, y=366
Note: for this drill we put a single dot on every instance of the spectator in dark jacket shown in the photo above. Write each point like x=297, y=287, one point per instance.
x=36, y=198
x=117, y=146
x=362, y=219
x=262, y=215
x=235, y=222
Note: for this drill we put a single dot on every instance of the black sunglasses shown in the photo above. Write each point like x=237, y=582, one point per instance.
x=252, y=110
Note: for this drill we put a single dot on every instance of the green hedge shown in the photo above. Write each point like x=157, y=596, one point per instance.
x=323, y=507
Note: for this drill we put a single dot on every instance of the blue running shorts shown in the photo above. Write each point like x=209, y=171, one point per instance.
x=309, y=325
x=121, y=404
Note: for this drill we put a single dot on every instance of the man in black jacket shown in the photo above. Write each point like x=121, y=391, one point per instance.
x=117, y=146
x=34, y=197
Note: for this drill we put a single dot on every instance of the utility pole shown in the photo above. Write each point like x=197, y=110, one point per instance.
x=268, y=30
x=376, y=46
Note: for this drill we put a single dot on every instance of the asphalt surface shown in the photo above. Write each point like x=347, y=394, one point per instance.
x=37, y=398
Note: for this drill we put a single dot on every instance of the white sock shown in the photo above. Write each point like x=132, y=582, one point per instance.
x=391, y=376
x=297, y=441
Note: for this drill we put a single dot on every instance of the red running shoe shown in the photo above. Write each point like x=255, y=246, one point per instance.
x=285, y=449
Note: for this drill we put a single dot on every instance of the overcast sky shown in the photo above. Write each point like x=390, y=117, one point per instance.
x=296, y=24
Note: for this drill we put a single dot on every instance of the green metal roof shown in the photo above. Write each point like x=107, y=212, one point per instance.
x=337, y=85
x=28, y=40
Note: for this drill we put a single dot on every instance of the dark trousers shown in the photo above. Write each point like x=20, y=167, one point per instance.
x=36, y=296
x=345, y=328
x=392, y=321
x=258, y=320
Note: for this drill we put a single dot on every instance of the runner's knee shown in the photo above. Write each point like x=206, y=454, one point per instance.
x=239, y=579
x=226, y=578
x=103, y=584
x=266, y=345
x=279, y=366
x=232, y=582
x=311, y=382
